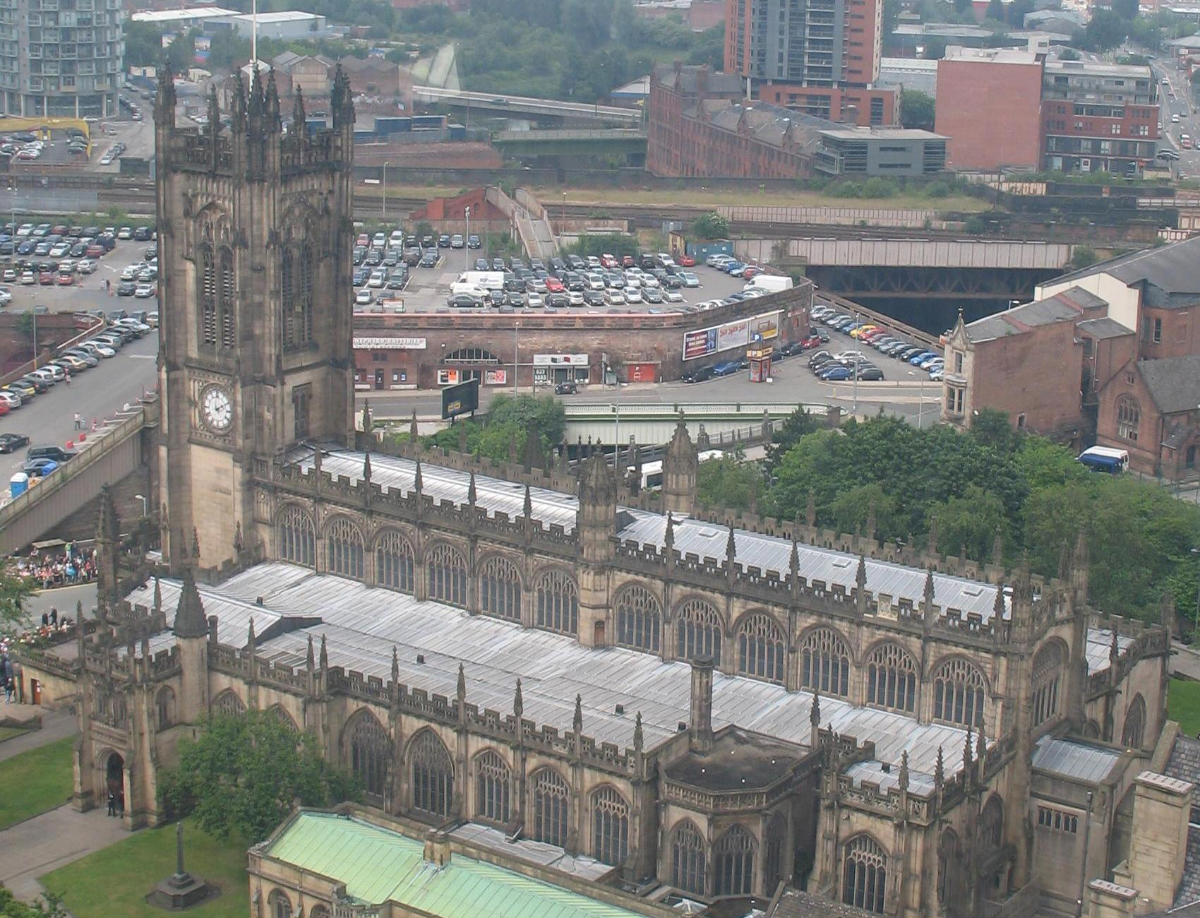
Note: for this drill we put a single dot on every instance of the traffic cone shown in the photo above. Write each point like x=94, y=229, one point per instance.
x=70, y=444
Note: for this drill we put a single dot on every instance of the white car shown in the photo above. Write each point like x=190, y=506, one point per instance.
x=5, y=296
x=595, y=281
x=130, y=272
x=377, y=279
x=10, y=398
x=59, y=250
x=144, y=291
x=535, y=300
x=100, y=350
x=633, y=295
x=362, y=297
x=575, y=297
x=125, y=232
x=673, y=296
x=85, y=266
x=10, y=275
x=28, y=278
x=25, y=229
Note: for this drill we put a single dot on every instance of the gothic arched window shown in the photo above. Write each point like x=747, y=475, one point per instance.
x=760, y=648
x=226, y=300
x=610, y=826
x=639, y=619
x=1134, y=732
x=825, y=662
x=493, y=781
x=864, y=874
x=774, y=867
x=1129, y=418
x=557, y=603
x=551, y=799
x=344, y=548
x=1047, y=677
x=500, y=589
x=206, y=289
x=296, y=286
x=368, y=749
x=394, y=562
x=164, y=704
x=229, y=704
x=447, y=573
x=958, y=693
x=297, y=539
x=948, y=866
x=991, y=824
x=279, y=904
x=689, y=862
x=892, y=678
x=733, y=860
x=698, y=629
x=432, y=774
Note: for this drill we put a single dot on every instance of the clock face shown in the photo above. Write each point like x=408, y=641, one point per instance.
x=216, y=408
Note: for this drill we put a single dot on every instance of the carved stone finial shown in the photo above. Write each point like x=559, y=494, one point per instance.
x=527, y=506
x=939, y=772
x=730, y=548
x=814, y=713
x=980, y=744
x=518, y=702
x=967, y=750
x=577, y=720
x=461, y=687
x=417, y=479
x=324, y=655
x=998, y=603
x=471, y=493
x=669, y=535
x=927, y=596
x=638, y=739
x=366, y=469
x=195, y=544
x=903, y=779
x=309, y=657
x=860, y=575
x=395, y=665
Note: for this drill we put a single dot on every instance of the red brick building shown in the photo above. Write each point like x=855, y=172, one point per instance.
x=449, y=215
x=851, y=105
x=1151, y=409
x=674, y=90
x=988, y=105
x=1040, y=363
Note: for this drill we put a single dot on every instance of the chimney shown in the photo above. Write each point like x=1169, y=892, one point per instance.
x=437, y=849
x=702, y=688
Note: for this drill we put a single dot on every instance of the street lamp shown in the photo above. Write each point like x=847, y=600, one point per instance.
x=466, y=242
x=562, y=215
x=854, y=410
x=145, y=505
x=920, y=398
x=385, y=165
x=516, y=353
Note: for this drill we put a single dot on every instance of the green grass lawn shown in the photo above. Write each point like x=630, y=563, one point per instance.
x=115, y=881
x=10, y=732
x=1183, y=704
x=35, y=781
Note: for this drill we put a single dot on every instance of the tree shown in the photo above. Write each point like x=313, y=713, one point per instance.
x=181, y=53
x=509, y=423
x=727, y=482
x=1106, y=30
x=935, y=48
x=49, y=906
x=1126, y=9
x=916, y=110
x=1084, y=256
x=14, y=590
x=228, y=50
x=243, y=772
x=710, y=226
x=796, y=425
x=143, y=44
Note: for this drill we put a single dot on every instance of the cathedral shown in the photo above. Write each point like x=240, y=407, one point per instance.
x=738, y=712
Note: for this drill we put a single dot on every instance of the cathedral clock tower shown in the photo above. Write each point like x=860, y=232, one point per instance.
x=255, y=348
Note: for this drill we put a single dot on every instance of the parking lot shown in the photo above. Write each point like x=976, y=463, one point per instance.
x=428, y=290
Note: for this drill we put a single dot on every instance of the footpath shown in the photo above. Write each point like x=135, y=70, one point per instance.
x=36, y=846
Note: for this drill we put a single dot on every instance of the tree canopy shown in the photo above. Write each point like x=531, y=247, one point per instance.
x=14, y=590
x=242, y=773
x=967, y=492
x=916, y=110
x=505, y=430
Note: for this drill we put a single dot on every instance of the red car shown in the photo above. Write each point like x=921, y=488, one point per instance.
x=810, y=341
x=46, y=278
x=751, y=272
x=607, y=261
x=554, y=285
x=65, y=280
x=95, y=250
x=686, y=261
x=627, y=261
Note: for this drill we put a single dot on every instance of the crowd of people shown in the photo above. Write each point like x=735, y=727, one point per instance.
x=63, y=568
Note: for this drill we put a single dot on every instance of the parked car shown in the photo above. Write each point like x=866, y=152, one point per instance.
x=700, y=375
x=566, y=388
x=11, y=442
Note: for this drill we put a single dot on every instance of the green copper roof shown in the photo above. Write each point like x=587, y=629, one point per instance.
x=377, y=865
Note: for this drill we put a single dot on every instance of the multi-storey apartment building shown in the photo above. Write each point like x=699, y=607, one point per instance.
x=60, y=58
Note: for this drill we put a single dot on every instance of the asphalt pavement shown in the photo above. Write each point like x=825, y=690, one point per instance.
x=1175, y=99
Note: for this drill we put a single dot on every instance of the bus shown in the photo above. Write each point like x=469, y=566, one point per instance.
x=1105, y=459
x=652, y=472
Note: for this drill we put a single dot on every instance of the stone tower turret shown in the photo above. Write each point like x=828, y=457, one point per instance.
x=191, y=638
x=679, y=472
x=595, y=527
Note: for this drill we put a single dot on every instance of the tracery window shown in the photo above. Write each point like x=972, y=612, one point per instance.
x=369, y=749
x=958, y=693
x=1134, y=732
x=733, y=858
x=892, y=678
x=297, y=539
x=776, y=841
x=761, y=648
x=493, y=780
x=610, y=826
x=1129, y=417
x=344, y=548
x=991, y=823
x=500, y=589
x=164, y=703
x=394, y=562
x=447, y=573
x=825, y=662
x=551, y=799
x=864, y=874
x=699, y=630
x=557, y=603
x=1047, y=677
x=228, y=703
x=689, y=861
x=296, y=285
x=639, y=619
x=432, y=774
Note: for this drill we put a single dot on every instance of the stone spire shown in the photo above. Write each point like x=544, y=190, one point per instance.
x=395, y=665
x=577, y=720
x=794, y=564
x=342, y=101
x=967, y=752
x=1114, y=651
x=195, y=545
x=310, y=661
x=679, y=471
x=366, y=469
x=939, y=774
x=157, y=595
x=638, y=739
x=251, y=639
x=527, y=504
x=981, y=745
x=460, y=689
x=814, y=721
x=190, y=621
x=998, y=603
x=214, y=118
x=417, y=483
x=860, y=575
x=324, y=655
x=730, y=549
x=669, y=534
x=273, y=122
x=298, y=121
x=903, y=779
x=164, y=101
x=518, y=702
x=471, y=493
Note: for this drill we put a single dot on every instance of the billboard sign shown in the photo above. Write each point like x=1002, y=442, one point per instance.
x=460, y=399
x=736, y=334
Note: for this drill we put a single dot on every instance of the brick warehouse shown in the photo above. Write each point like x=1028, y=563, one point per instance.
x=410, y=350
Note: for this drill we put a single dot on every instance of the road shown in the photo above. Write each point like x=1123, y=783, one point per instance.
x=1175, y=99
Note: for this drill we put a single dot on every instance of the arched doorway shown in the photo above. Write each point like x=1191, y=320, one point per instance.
x=114, y=784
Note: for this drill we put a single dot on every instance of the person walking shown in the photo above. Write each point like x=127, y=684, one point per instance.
x=112, y=804
x=78, y=421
